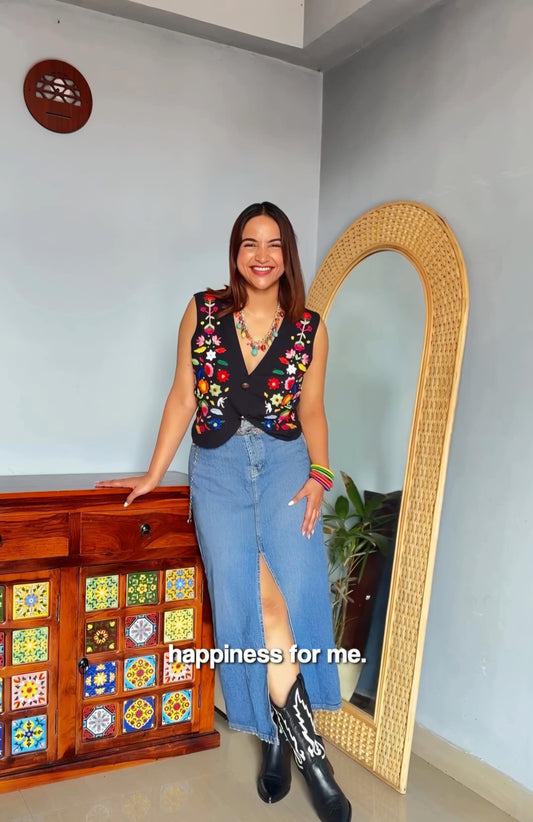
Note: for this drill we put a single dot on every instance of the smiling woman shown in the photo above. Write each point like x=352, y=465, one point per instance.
x=250, y=367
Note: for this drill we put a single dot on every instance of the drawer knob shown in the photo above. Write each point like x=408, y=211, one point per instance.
x=145, y=529
x=83, y=664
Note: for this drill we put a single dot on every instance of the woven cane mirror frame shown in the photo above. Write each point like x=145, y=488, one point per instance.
x=382, y=743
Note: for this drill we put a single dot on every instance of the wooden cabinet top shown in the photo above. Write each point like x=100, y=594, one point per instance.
x=64, y=518
x=73, y=485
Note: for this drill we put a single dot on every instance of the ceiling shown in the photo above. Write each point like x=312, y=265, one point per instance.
x=317, y=34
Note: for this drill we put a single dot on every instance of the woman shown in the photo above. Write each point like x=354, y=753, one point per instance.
x=250, y=365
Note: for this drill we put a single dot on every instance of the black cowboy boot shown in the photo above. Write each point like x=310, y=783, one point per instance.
x=274, y=780
x=296, y=719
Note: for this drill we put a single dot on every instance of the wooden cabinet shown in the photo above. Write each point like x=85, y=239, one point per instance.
x=91, y=597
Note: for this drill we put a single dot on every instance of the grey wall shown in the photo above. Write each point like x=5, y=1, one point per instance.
x=440, y=111
x=105, y=233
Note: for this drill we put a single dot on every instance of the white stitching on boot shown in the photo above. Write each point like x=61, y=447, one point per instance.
x=314, y=747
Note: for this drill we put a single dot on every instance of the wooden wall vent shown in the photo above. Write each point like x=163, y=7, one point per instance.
x=58, y=96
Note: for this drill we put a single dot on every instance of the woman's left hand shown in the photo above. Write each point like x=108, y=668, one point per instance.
x=314, y=493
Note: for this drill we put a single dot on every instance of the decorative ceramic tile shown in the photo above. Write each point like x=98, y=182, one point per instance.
x=138, y=714
x=2, y=646
x=2, y=600
x=100, y=679
x=30, y=645
x=141, y=629
x=178, y=625
x=139, y=672
x=176, y=671
x=28, y=734
x=100, y=635
x=101, y=593
x=179, y=584
x=98, y=722
x=141, y=588
x=29, y=690
x=176, y=707
x=31, y=599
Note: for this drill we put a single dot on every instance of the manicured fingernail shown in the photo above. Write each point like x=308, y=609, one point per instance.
x=291, y=502
x=313, y=531
x=125, y=505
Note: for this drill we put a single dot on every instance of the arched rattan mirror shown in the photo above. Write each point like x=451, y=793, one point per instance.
x=382, y=741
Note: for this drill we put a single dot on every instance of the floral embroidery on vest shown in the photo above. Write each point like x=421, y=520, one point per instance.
x=210, y=370
x=285, y=384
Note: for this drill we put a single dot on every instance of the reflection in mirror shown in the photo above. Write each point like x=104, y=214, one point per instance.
x=376, y=328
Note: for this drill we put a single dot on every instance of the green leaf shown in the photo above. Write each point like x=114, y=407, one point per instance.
x=379, y=541
x=373, y=503
x=342, y=506
x=221, y=362
x=353, y=494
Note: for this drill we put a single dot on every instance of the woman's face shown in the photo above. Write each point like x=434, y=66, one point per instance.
x=260, y=257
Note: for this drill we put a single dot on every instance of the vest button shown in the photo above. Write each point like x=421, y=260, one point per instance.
x=245, y=385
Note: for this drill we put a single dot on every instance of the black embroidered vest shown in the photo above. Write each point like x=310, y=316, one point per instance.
x=226, y=393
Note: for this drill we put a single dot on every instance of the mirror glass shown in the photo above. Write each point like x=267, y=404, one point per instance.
x=376, y=328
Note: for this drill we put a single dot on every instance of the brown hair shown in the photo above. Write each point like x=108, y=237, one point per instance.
x=291, y=283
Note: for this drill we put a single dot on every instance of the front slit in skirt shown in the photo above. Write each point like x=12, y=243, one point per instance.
x=240, y=493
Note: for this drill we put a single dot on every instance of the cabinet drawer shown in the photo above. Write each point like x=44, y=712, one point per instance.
x=31, y=536
x=129, y=534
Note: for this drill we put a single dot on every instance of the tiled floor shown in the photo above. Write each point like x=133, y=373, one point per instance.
x=219, y=786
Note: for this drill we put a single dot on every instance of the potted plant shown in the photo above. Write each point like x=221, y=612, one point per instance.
x=356, y=527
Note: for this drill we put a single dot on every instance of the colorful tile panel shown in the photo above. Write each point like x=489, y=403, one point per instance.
x=30, y=645
x=179, y=584
x=29, y=690
x=2, y=649
x=176, y=707
x=100, y=679
x=138, y=714
x=178, y=625
x=31, y=599
x=139, y=672
x=141, y=588
x=98, y=722
x=2, y=601
x=101, y=593
x=176, y=671
x=140, y=629
x=100, y=635
x=28, y=734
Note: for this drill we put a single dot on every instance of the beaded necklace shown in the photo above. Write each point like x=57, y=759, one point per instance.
x=264, y=342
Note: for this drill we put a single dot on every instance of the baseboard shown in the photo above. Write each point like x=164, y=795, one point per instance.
x=486, y=781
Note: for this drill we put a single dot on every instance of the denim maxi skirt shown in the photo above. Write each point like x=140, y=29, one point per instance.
x=240, y=493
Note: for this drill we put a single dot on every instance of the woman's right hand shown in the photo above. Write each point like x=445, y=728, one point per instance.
x=139, y=485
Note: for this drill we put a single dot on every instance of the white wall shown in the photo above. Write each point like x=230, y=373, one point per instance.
x=279, y=20
x=105, y=233
x=320, y=17
x=440, y=111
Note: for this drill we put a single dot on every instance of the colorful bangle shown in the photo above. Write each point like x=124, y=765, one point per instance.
x=322, y=475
